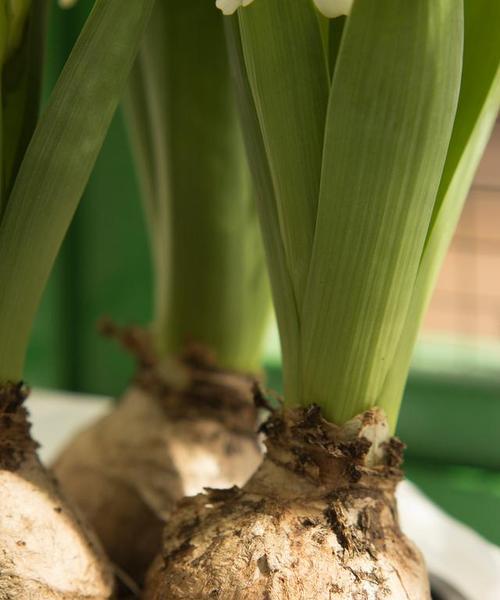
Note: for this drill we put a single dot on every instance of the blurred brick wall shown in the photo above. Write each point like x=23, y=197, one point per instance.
x=467, y=297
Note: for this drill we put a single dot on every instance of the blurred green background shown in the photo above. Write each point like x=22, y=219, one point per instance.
x=104, y=269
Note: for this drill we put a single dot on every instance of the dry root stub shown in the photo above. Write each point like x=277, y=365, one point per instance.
x=45, y=551
x=181, y=427
x=318, y=521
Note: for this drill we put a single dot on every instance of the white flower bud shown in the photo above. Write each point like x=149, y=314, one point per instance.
x=334, y=8
x=228, y=7
x=15, y=13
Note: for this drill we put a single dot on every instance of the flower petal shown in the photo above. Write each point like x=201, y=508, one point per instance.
x=334, y=8
x=228, y=7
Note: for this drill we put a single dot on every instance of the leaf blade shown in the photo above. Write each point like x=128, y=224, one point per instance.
x=281, y=284
x=213, y=262
x=288, y=73
x=389, y=122
x=57, y=164
x=478, y=107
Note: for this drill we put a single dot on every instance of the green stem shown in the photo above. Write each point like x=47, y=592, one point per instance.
x=211, y=283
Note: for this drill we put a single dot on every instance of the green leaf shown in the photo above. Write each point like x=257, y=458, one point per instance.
x=210, y=272
x=478, y=107
x=389, y=122
x=57, y=164
x=281, y=283
x=288, y=74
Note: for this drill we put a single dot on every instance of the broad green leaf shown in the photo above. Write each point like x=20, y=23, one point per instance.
x=389, y=122
x=281, y=284
x=288, y=75
x=57, y=164
x=478, y=107
x=213, y=271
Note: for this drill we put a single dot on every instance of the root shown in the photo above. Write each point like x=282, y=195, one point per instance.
x=318, y=521
x=180, y=427
x=45, y=550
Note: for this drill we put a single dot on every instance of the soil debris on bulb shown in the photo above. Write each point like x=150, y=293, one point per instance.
x=198, y=427
x=47, y=552
x=317, y=521
x=188, y=419
x=34, y=516
x=358, y=193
